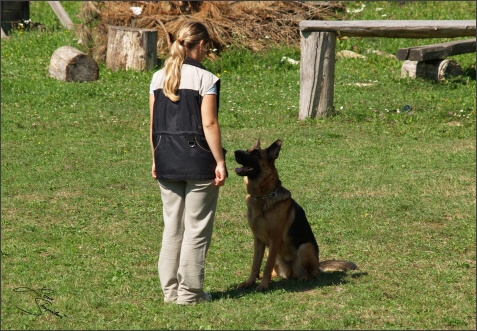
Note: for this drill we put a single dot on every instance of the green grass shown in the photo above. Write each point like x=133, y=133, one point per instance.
x=392, y=191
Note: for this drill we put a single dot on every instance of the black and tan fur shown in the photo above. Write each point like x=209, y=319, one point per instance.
x=278, y=222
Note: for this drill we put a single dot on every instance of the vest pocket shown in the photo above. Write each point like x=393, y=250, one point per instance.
x=156, y=140
x=201, y=142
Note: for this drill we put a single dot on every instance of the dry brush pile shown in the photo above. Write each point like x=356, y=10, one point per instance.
x=250, y=24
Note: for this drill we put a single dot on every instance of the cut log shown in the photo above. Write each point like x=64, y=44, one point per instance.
x=131, y=48
x=436, y=51
x=71, y=65
x=436, y=70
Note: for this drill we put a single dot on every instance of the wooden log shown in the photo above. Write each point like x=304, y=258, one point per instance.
x=436, y=51
x=395, y=28
x=436, y=70
x=408, y=69
x=317, y=69
x=71, y=65
x=131, y=48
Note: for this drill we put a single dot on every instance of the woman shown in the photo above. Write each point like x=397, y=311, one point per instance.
x=187, y=160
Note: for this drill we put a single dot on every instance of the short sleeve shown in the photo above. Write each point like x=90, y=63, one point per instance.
x=212, y=90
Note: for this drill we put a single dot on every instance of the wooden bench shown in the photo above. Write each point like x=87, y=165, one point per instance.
x=430, y=61
x=318, y=45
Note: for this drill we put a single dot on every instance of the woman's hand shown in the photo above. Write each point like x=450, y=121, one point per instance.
x=153, y=170
x=220, y=174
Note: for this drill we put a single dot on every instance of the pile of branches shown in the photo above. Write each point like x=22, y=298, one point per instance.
x=249, y=24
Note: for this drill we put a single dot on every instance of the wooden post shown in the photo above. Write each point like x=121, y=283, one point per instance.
x=71, y=65
x=317, y=70
x=61, y=14
x=131, y=48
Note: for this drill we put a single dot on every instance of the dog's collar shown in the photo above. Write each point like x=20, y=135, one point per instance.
x=271, y=195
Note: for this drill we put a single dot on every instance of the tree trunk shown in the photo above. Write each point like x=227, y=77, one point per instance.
x=131, y=48
x=71, y=65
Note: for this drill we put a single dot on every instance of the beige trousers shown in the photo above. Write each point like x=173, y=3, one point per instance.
x=189, y=210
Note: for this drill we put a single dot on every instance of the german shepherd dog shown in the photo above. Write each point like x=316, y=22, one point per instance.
x=278, y=222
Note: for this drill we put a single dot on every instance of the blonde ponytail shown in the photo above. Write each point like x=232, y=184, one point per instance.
x=173, y=66
x=188, y=36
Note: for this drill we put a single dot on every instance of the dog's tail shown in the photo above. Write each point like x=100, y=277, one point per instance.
x=337, y=265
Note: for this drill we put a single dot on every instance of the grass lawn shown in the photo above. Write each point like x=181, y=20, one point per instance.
x=390, y=190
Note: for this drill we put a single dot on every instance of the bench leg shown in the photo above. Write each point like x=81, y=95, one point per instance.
x=317, y=73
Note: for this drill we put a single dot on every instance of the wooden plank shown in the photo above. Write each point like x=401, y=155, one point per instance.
x=436, y=51
x=61, y=14
x=395, y=28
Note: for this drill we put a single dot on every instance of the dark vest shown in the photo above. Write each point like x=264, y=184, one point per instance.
x=181, y=151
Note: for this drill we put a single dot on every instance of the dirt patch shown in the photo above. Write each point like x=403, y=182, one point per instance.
x=250, y=24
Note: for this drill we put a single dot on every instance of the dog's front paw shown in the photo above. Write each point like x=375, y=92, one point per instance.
x=304, y=278
x=261, y=287
x=245, y=284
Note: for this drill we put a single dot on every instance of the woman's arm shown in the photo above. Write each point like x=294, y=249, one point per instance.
x=211, y=127
x=151, y=110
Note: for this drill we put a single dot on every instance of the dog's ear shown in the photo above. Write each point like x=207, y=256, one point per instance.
x=257, y=144
x=274, y=149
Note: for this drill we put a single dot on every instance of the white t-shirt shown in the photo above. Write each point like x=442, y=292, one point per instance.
x=212, y=90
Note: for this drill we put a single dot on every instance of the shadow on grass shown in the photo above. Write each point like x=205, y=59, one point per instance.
x=292, y=285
